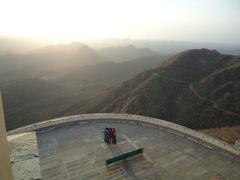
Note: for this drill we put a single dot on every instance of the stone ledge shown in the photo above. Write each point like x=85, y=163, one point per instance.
x=199, y=136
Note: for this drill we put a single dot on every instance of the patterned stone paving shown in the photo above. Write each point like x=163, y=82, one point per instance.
x=75, y=152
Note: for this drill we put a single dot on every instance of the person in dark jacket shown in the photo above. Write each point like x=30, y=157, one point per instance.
x=106, y=135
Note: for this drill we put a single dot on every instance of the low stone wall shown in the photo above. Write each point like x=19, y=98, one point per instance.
x=200, y=137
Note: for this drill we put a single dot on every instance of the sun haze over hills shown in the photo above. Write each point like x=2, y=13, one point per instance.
x=164, y=73
x=81, y=51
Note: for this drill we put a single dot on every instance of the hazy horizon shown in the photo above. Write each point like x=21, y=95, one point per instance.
x=214, y=21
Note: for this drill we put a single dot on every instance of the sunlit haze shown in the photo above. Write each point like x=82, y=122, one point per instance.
x=201, y=20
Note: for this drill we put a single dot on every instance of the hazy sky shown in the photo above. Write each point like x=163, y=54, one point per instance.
x=188, y=20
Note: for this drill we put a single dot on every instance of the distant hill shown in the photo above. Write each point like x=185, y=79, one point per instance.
x=27, y=99
x=124, y=53
x=17, y=45
x=48, y=61
x=110, y=73
x=72, y=53
x=37, y=86
x=2, y=52
x=165, y=47
x=234, y=51
x=197, y=88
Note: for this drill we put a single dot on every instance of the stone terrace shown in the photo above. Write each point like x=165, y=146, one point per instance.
x=77, y=151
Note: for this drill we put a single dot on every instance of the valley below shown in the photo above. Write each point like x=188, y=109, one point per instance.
x=197, y=88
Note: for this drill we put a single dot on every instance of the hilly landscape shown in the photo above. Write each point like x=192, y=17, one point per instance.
x=129, y=52
x=49, y=81
x=197, y=88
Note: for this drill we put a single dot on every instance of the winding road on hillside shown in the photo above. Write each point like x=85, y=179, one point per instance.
x=214, y=104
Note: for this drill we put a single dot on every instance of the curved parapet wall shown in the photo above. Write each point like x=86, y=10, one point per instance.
x=198, y=136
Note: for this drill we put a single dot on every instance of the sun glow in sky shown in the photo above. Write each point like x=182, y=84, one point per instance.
x=189, y=20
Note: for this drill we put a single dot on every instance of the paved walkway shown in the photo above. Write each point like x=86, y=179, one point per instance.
x=79, y=152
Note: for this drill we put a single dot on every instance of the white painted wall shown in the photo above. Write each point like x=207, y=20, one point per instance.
x=200, y=137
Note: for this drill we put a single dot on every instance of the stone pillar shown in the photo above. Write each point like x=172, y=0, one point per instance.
x=5, y=164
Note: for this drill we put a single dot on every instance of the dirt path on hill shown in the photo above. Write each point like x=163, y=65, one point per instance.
x=214, y=104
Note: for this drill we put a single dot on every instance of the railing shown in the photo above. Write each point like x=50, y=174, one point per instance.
x=200, y=137
x=124, y=156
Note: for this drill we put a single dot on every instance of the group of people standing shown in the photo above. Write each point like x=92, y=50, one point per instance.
x=110, y=135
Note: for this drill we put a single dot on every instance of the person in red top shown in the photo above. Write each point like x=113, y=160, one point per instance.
x=114, y=136
x=110, y=135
